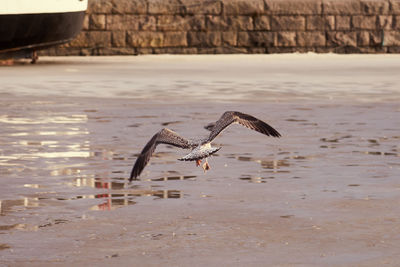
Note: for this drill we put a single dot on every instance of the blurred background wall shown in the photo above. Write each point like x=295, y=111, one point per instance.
x=129, y=27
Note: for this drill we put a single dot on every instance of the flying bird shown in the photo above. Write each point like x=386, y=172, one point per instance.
x=201, y=148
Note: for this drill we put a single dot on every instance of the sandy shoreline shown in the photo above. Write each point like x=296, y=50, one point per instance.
x=325, y=194
x=223, y=78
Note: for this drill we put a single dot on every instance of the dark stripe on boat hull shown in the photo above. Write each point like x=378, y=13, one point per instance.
x=36, y=31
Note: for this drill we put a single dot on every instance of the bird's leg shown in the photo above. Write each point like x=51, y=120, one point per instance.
x=198, y=162
x=206, y=166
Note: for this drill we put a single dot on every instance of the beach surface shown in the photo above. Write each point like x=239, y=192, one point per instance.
x=326, y=193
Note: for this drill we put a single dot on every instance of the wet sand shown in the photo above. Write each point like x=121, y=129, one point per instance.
x=325, y=194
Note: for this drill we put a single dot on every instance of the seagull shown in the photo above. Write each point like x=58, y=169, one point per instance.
x=200, y=148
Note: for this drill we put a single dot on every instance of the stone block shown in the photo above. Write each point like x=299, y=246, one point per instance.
x=99, y=7
x=375, y=7
x=175, y=50
x=385, y=22
x=81, y=40
x=122, y=22
x=262, y=23
x=244, y=39
x=256, y=39
x=131, y=22
x=396, y=23
x=394, y=49
x=118, y=39
x=256, y=50
x=343, y=23
x=202, y=7
x=204, y=39
x=324, y=50
x=320, y=23
x=197, y=23
x=129, y=6
x=372, y=50
x=243, y=7
x=391, y=38
x=280, y=50
x=394, y=7
x=363, y=38
x=98, y=39
x=147, y=22
x=175, y=39
x=376, y=38
x=221, y=50
x=85, y=24
x=342, y=39
x=113, y=51
x=61, y=51
x=229, y=23
x=286, y=39
x=85, y=51
x=364, y=22
x=145, y=39
x=97, y=22
x=181, y=23
x=349, y=49
x=311, y=39
x=288, y=23
x=293, y=7
x=82, y=51
x=241, y=50
x=341, y=7
x=144, y=50
x=166, y=7
x=172, y=23
x=229, y=38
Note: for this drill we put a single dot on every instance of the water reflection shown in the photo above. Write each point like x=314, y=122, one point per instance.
x=170, y=123
x=68, y=132
x=42, y=141
x=378, y=153
x=16, y=226
x=98, y=183
x=335, y=139
x=74, y=118
x=254, y=179
x=7, y=206
x=174, y=178
x=274, y=165
x=4, y=246
x=60, y=171
x=109, y=200
x=115, y=200
x=120, y=193
x=51, y=144
x=369, y=146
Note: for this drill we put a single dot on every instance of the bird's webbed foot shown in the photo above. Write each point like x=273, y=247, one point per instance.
x=206, y=166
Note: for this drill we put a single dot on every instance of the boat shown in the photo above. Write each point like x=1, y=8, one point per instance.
x=27, y=26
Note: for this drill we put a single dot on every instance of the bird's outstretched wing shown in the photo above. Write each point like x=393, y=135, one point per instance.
x=246, y=120
x=209, y=126
x=165, y=136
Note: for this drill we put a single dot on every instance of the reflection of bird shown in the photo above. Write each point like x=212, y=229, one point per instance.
x=200, y=149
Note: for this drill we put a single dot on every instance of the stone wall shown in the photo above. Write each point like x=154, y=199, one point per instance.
x=126, y=27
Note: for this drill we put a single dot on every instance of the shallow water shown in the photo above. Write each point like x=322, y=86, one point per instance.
x=65, y=159
x=65, y=153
